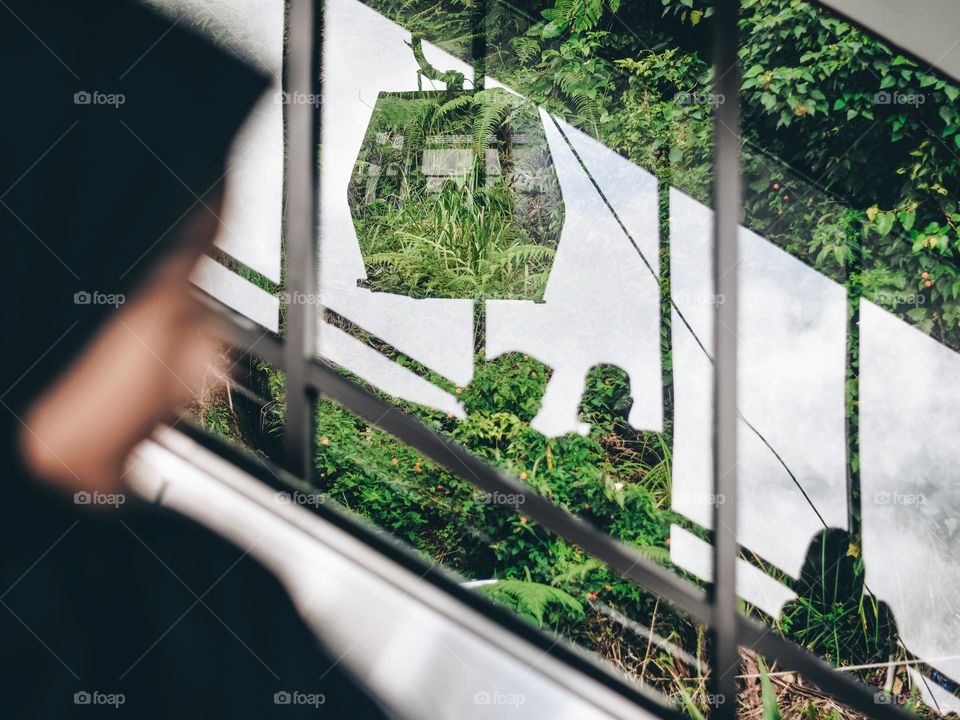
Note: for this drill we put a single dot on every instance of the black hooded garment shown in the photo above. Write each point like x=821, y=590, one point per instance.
x=142, y=604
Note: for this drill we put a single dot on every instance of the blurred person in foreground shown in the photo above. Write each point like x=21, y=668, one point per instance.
x=134, y=612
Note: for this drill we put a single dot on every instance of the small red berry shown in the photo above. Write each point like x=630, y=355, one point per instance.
x=928, y=283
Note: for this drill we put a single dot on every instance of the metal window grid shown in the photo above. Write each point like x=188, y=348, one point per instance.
x=307, y=377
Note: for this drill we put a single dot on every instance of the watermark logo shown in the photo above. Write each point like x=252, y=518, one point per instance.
x=698, y=298
x=687, y=498
x=95, y=97
x=886, y=497
x=898, y=98
x=694, y=98
x=314, y=700
x=297, y=98
x=99, y=498
x=882, y=697
x=896, y=299
x=300, y=498
x=499, y=698
x=499, y=498
x=713, y=700
x=298, y=298
x=95, y=697
x=85, y=297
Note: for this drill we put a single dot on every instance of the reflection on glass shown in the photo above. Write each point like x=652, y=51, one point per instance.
x=250, y=235
x=849, y=166
x=508, y=558
x=791, y=333
x=909, y=423
x=453, y=196
x=242, y=400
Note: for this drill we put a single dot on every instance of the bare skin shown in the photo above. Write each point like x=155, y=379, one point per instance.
x=143, y=364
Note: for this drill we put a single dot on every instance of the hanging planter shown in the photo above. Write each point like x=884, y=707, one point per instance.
x=454, y=193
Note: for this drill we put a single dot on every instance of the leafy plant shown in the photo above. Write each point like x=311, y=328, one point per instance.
x=532, y=600
x=771, y=708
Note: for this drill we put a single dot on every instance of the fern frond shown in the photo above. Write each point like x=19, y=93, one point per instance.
x=531, y=599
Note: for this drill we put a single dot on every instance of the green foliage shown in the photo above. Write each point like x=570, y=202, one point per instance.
x=771, y=709
x=216, y=419
x=532, y=600
x=485, y=230
x=861, y=189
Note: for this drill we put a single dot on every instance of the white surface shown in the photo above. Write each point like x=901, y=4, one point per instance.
x=792, y=350
x=696, y=556
x=388, y=376
x=933, y=695
x=237, y=293
x=384, y=623
x=364, y=54
x=926, y=28
x=601, y=304
x=252, y=29
x=909, y=481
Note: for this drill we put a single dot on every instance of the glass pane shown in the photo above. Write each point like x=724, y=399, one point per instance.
x=494, y=222
x=506, y=557
x=491, y=243
x=848, y=332
x=240, y=399
x=765, y=684
x=244, y=272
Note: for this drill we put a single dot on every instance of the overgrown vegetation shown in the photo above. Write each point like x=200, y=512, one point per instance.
x=844, y=168
x=453, y=196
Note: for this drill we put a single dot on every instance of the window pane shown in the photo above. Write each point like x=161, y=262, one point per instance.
x=244, y=272
x=848, y=333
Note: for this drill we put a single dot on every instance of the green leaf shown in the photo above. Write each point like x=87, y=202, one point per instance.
x=531, y=599
x=907, y=219
x=952, y=92
x=553, y=29
x=675, y=155
x=885, y=222
x=688, y=703
x=771, y=710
